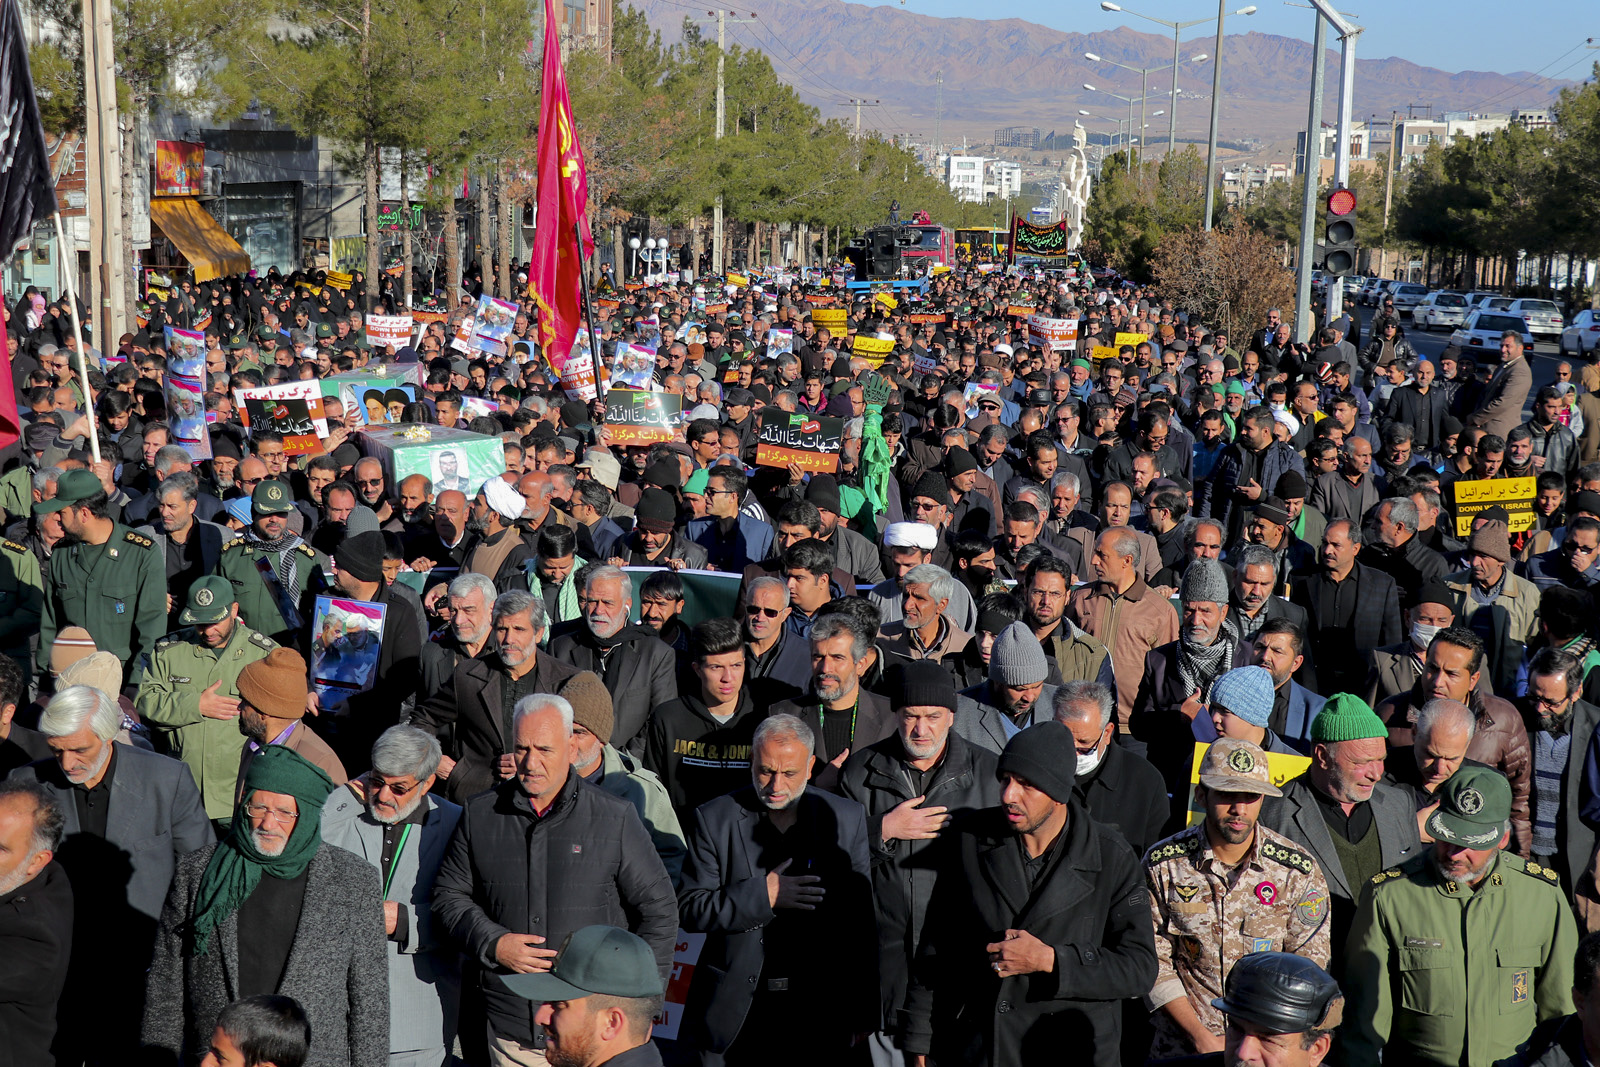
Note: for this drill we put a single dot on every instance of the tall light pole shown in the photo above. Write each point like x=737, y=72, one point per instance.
x=1177, y=28
x=1143, y=72
x=722, y=18
x=1130, y=101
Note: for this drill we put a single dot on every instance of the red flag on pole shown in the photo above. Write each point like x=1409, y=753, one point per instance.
x=561, y=237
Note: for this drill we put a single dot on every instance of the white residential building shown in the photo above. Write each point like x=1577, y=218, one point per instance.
x=964, y=175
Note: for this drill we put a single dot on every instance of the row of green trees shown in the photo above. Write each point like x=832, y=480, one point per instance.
x=452, y=86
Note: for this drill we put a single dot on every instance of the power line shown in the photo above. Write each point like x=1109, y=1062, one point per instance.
x=1528, y=81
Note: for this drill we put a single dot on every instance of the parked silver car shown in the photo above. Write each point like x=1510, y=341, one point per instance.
x=1440, y=311
x=1542, y=316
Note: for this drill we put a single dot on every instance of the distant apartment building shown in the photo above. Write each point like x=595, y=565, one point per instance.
x=1240, y=185
x=1003, y=180
x=1017, y=137
x=964, y=176
x=1533, y=118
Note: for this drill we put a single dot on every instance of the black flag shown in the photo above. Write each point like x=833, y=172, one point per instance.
x=27, y=193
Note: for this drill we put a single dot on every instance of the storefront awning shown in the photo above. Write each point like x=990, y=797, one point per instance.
x=206, y=245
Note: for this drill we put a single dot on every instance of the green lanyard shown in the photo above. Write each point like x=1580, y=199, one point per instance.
x=822, y=717
x=394, y=861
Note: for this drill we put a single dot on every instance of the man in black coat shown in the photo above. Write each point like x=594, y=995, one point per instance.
x=639, y=668
x=1040, y=924
x=35, y=922
x=1117, y=787
x=778, y=876
x=470, y=707
x=914, y=785
x=537, y=858
x=1351, y=609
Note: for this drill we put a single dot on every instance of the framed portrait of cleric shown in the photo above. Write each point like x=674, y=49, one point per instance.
x=347, y=639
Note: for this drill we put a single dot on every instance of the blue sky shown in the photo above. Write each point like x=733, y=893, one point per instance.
x=1464, y=35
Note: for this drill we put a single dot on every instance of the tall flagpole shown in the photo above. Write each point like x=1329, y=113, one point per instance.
x=77, y=336
x=588, y=315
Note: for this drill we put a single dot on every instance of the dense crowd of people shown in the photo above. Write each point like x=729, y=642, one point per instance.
x=1153, y=696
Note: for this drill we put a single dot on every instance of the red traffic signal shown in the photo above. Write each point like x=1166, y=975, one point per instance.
x=1341, y=202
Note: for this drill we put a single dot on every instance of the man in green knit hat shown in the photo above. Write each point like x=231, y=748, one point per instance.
x=1341, y=810
x=237, y=908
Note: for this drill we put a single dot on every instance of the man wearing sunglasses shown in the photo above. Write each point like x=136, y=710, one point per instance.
x=387, y=818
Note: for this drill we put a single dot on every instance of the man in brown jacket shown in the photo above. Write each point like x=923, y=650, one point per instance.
x=1451, y=672
x=1499, y=409
x=1121, y=611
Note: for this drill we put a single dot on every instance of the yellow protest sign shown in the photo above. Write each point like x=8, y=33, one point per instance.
x=886, y=300
x=741, y=280
x=1516, y=495
x=1104, y=352
x=830, y=319
x=1281, y=766
x=339, y=279
x=873, y=349
x=1133, y=339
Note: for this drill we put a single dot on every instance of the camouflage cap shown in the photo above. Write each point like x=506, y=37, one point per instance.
x=1236, y=766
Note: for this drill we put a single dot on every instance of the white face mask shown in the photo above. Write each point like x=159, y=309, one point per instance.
x=1090, y=763
x=1422, y=634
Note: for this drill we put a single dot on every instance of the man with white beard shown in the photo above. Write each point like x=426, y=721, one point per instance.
x=775, y=870
x=388, y=818
x=236, y=909
x=129, y=815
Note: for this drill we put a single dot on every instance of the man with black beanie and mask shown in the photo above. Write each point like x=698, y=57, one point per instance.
x=1069, y=899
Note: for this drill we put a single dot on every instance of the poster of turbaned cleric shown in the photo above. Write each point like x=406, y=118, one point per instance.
x=348, y=637
x=495, y=319
x=641, y=417
x=186, y=391
x=811, y=442
x=633, y=367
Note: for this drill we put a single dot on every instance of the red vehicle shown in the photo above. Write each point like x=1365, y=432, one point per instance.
x=926, y=241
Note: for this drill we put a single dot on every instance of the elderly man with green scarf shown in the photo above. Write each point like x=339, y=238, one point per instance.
x=273, y=909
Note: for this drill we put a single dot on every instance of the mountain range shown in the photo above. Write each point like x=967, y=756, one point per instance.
x=1009, y=72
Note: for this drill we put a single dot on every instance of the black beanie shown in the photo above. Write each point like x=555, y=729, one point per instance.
x=823, y=491
x=921, y=683
x=933, y=486
x=361, y=556
x=1045, y=756
x=958, y=461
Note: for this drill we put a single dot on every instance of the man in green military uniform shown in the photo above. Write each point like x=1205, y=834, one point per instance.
x=21, y=602
x=103, y=577
x=190, y=693
x=270, y=568
x=1456, y=955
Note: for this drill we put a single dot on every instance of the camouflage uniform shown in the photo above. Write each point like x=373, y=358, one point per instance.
x=1207, y=916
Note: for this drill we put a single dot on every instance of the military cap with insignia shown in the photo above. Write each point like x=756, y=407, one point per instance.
x=271, y=497
x=1236, y=766
x=1474, y=809
x=209, y=600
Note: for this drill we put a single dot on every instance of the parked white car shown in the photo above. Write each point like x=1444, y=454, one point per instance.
x=1406, y=296
x=1483, y=330
x=1582, y=338
x=1542, y=316
x=1440, y=311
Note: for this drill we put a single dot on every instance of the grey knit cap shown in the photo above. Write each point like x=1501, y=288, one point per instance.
x=1017, y=657
x=1204, y=581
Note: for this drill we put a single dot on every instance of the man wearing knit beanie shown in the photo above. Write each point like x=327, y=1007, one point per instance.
x=1342, y=811
x=1491, y=586
x=1241, y=707
x=272, y=708
x=620, y=773
x=1034, y=849
x=1015, y=696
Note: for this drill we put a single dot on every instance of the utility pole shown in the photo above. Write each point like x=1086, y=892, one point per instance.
x=717, y=262
x=859, y=104
x=1348, y=33
x=938, y=116
x=1216, y=115
x=1313, y=180
x=1388, y=187
x=107, y=300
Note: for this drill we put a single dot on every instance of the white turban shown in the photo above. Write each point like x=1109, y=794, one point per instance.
x=504, y=499
x=911, y=535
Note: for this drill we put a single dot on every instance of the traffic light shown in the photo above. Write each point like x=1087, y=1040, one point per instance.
x=1339, y=239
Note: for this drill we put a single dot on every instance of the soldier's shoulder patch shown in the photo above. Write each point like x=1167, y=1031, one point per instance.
x=174, y=638
x=13, y=546
x=1544, y=874
x=1179, y=845
x=307, y=549
x=1289, y=857
x=1387, y=875
x=138, y=539
x=262, y=640
x=235, y=543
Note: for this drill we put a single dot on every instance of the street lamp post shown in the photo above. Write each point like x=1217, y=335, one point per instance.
x=1143, y=73
x=1177, y=28
x=1130, y=101
x=633, y=245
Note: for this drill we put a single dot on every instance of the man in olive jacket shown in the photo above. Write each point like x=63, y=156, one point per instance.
x=916, y=786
